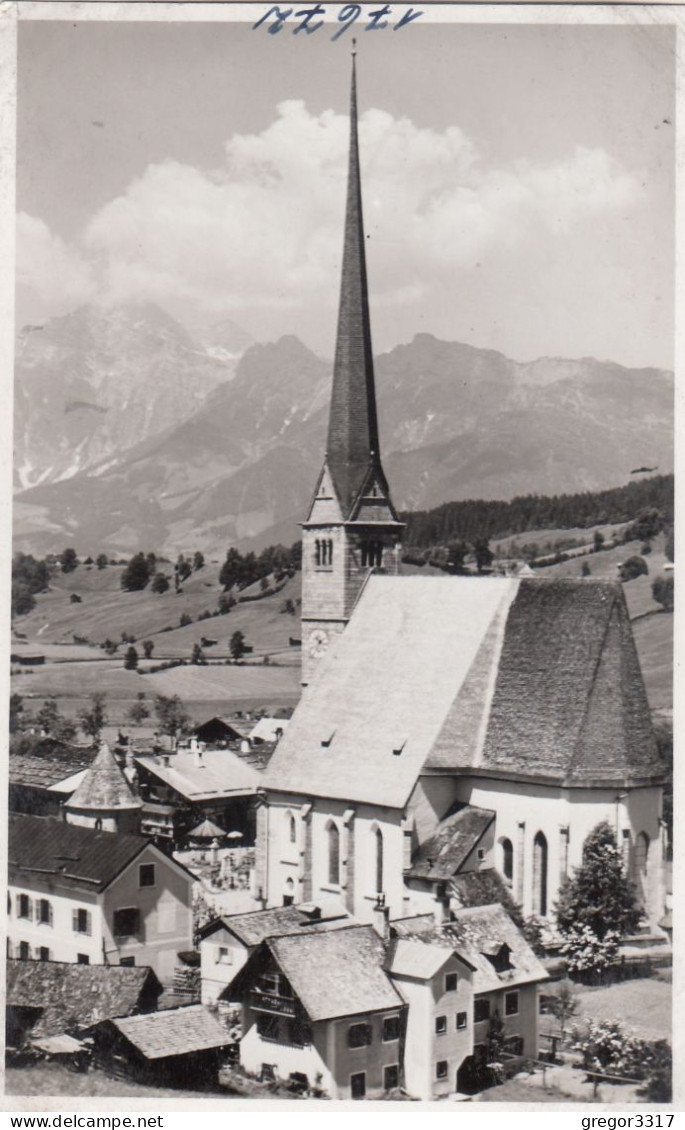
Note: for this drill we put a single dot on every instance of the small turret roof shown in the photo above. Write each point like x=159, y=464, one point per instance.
x=104, y=786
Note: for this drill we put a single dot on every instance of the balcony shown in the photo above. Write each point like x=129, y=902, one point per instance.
x=262, y=1001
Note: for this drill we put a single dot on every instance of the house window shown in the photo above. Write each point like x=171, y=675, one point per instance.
x=127, y=962
x=146, y=875
x=450, y=982
x=358, y=1085
x=441, y=1069
x=391, y=1077
x=43, y=953
x=299, y=1033
x=82, y=959
x=224, y=955
x=126, y=922
x=81, y=921
x=24, y=951
x=391, y=1029
x=511, y=1004
x=333, y=855
x=461, y=1020
x=440, y=1025
x=481, y=1009
x=23, y=906
x=540, y=875
x=276, y=984
x=481, y=854
x=378, y=857
x=267, y=1026
x=507, y=849
x=514, y=1045
x=268, y=1074
x=45, y=912
x=359, y=1036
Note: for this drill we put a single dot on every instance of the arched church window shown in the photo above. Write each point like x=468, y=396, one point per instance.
x=641, y=855
x=290, y=828
x=289, y=896
x=329, y=552
x=507, y=858
x=333, y=854
x=540, y=875
x=317, y=552
x=378, y=553
x=377, y=839
x=98, y=824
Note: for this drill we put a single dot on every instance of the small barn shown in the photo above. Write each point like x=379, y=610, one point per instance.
x=183, y=1047
x=218, y=731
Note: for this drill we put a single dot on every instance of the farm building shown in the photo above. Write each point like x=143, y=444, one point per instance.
x=181, y=1046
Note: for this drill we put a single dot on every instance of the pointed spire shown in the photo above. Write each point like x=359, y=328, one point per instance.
x=104, y=787
x=353, y=426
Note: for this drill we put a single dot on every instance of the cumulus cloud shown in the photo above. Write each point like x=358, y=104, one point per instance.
x=57, y=274
x=263, y=231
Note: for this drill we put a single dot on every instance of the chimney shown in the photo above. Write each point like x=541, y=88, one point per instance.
x=381, y=918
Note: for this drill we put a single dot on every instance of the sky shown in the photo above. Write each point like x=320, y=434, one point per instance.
x=517, y=180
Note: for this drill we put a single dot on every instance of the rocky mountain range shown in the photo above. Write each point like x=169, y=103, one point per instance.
x=132, y=436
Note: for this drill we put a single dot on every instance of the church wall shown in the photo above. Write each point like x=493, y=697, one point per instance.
x=430, y=800
x=565, y=817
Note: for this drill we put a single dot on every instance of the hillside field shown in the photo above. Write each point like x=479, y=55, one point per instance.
x=269, y=675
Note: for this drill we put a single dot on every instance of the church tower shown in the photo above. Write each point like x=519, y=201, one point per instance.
x=352, y=527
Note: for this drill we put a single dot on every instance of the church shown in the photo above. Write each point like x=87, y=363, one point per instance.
x=449, y=726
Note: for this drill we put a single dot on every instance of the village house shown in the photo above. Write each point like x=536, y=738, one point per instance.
x=319, y=1009
x=228, y=941
x=516, y=697
x=50, y=998
x=77, y=894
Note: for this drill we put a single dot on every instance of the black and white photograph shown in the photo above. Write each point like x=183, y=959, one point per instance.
x=340, y=666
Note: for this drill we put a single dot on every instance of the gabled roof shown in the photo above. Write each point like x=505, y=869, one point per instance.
x=45, y=772
x=419, y=958
x=104, y=786
x=455, y=837
x=211, y=775
x=477, y=932
x=257, y=925
x=336, y=973
x=175, y=1031
x=73, y=997
x=266, y=729
x=495, y=676
x=80, y=857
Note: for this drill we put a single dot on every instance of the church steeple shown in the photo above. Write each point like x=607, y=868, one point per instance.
x=353, y=445
x=352, y=527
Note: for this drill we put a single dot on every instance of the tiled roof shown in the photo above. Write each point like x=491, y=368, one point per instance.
x=454, y=839
x=80, y=857
x=40, y=773
x=177, y=1031
x=104, y=786
x=73, y=997
x=483, y=888
x=415, y=957
x=256, y=926
x=383, y=691
x=477, y=932
x=336, y=973
x=265, y=729
x=492, y=675
x=216, y=773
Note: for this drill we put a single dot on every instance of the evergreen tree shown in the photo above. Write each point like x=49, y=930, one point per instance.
x=69, y=561
x=599, y=896
x=237, y=645
x=101, y=560
x=148, y=648
x=484, y=554
x=131, y=659
x=198, y=655
x=198, y=560
x=160, y=583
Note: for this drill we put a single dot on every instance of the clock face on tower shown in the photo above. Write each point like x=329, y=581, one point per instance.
x=318, y=643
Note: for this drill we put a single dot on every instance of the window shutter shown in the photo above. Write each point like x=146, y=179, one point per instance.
x=29, y=905
x=88, y=923
x=74, y=921
x=50, y=914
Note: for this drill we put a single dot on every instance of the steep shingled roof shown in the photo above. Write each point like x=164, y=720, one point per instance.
x=104, y=786
x=215, y=773
x=73, y=997
x=497, y=676
x=337, y=973
x=257, y=925
x=455, y=837
x=80, y=857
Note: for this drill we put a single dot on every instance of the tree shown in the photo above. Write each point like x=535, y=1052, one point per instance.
x=598, y=541
x=632, y=568
x=69, y=561
x=16, y=708
x=232, y=570
x=101, y=561
x=585, y=569
x=226, y=603
x=148, y=648
x=28, y=577
x=263, y=585
x=288, y=607
x=93, y=718
x=198, y=655
x=198, y=561
x=237, y=645
x=663, y=591
x=185, y=620
x=484, y=554
x=182, y=568
x=136, y=574
x=598, y=896
x=139, y=711
x=172, y=716
x=47, y=717
x=563, y=1003
x=110, y=646
x=131, y=659
x=160, y=583
x=456, y=556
